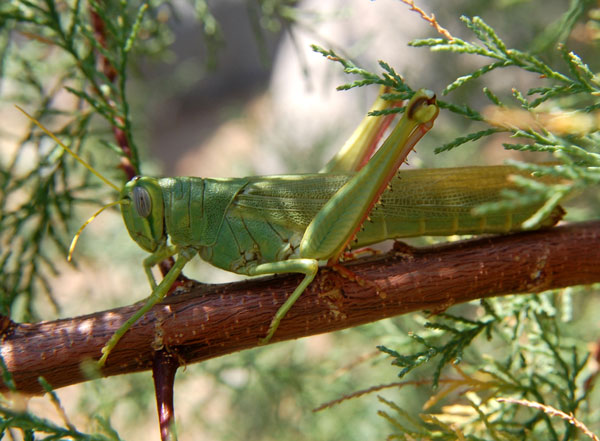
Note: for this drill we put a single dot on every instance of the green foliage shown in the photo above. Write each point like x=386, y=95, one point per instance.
x=571, y=135
x=34, y=427
x=533, y=348
x=389, y=78
x=536, y=357
x=531, y=355
x=64, y=50
x=463, y=332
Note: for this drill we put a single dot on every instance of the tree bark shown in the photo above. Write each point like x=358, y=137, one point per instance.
x=200, y=322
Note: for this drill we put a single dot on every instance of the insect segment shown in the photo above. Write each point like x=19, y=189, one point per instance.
x=206, y=216
x=186, y=216
x=290, y=223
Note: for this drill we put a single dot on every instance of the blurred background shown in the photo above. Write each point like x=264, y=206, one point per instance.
x=256, y=99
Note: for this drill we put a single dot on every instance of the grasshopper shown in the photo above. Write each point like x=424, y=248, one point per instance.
x=290, y=223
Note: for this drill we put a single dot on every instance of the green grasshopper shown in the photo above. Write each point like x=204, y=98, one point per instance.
x=290, y=223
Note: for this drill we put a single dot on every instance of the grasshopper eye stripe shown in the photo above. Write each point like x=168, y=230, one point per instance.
x=142, y=201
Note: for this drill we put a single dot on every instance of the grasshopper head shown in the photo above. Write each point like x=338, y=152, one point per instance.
x=143, y=212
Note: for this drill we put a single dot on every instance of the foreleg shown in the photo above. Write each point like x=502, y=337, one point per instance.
x=158, y=293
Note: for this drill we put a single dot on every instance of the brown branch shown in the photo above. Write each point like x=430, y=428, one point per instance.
x=164, y=368
x=213, y=320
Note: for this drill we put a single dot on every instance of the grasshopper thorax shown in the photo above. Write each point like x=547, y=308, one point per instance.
x=143, y=212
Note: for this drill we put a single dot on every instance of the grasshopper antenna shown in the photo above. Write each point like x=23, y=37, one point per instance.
x=68, y=150
x=87, y=222
x=86, y=165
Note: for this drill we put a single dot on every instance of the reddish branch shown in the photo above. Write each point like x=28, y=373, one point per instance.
x=164, y=368
x=111, y=73
x=212, y=320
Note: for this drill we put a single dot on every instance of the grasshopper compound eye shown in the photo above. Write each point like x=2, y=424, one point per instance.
x=142, y=201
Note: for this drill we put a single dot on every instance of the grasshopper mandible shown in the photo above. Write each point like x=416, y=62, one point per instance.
x=290, y=223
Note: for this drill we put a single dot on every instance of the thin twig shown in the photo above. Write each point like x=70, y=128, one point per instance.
x=429, y=19
x=549, y=410
x=111, y=73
